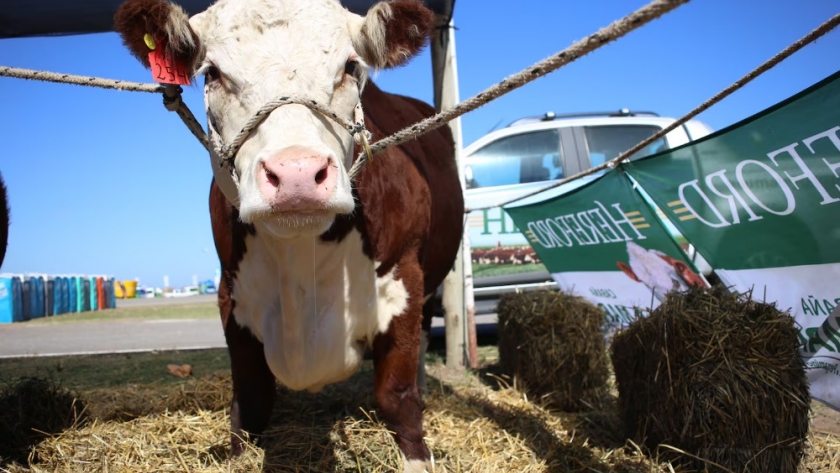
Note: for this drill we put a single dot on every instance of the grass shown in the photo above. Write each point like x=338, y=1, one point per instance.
x=484, y=270
x=175, y=311
x=103, y=371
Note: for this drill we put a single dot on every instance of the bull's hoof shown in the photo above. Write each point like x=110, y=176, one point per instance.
x=419, y=466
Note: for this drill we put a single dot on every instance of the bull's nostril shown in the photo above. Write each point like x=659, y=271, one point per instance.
x=321, y=176
x=271, y=177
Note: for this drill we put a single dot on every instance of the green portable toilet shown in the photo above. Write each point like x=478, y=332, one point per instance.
x=94, y=296
x=80, y=294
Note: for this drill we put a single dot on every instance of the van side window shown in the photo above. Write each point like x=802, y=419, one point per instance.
x=518, y=159
x=608, y=141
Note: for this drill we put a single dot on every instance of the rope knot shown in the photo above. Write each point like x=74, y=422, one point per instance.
x=172, y=97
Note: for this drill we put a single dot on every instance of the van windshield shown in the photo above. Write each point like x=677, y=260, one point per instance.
x=517, y=159
x=606, y=142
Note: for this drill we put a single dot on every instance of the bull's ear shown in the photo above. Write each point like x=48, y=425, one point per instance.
x=138, y=20
x=627, y=270
x=392, y=32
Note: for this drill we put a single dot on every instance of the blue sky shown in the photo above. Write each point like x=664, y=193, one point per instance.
x=105, y=182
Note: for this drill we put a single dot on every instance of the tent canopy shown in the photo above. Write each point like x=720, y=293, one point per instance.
x=19, y=18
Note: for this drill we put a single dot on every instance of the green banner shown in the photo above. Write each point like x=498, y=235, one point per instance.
x=760, y=201
x=769, y=182
x=603, y=241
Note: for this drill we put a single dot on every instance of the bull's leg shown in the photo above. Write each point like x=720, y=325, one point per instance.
x=253, y=382
x=428, y=313
x=395, y=356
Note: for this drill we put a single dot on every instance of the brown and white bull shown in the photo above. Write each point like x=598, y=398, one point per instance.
x=317, y=268
x=659, y=272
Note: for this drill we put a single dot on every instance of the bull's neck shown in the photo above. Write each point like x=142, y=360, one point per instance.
x=305, y=261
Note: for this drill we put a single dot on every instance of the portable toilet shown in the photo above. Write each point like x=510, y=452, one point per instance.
x=49, y=297
x=36, y=297
x=11, y=299
x=104, y=301
x=56, y=307
x=7, y=300
x=94, y=296
x=25, y=285
x=61, y=292
x=85, y=283
x=130, y=288
x=100, y=294
x=65, y=303
x=71, y=294
x=112, y=296
x=80, y=294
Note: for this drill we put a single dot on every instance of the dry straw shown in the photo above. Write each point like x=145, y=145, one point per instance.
x=553, y=345
x=470, y=427
x=717, y=376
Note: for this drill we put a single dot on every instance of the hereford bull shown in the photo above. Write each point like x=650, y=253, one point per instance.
x=658, y=272
x=317, y=268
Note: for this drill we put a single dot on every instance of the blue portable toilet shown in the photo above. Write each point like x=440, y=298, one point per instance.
x=112, y=293
x=58, y=295
x=60, y=298
x=40, y=296
x=71, y=294
x=65, y=294
x=17, y=296
x=36, y=299
x=11, y=299
x=41, y=282
x=7, y=301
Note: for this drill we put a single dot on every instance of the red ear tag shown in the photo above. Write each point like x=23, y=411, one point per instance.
x=165, y=71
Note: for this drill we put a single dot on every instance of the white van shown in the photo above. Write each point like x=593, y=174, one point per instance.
x=531, y=153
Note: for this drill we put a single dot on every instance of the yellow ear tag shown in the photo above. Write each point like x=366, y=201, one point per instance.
x=150, y=42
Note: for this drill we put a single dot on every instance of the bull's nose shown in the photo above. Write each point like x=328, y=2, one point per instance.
x=297, y=179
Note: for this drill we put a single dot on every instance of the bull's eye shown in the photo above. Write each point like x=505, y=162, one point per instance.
x=351, y=67
x=212, y=74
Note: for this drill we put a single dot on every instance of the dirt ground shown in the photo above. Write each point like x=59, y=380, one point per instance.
x=826, y=420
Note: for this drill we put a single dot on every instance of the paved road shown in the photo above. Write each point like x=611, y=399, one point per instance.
x=108, y=336
x=122, y=336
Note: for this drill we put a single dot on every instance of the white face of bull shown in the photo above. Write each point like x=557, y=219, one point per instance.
x=293, y=168
x=653, y=270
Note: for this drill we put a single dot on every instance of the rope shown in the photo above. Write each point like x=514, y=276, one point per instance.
x=30, y=74
x=173, y=102
x=579, y=49
x=171, y=94
x=357, y=129
x=767, y=65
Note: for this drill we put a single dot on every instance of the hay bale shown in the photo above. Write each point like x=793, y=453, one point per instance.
x=717, y=375
x=31, y=409
x=553, y=345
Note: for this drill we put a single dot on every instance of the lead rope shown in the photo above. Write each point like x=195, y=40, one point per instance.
x=173, y=102
x=227, y=153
